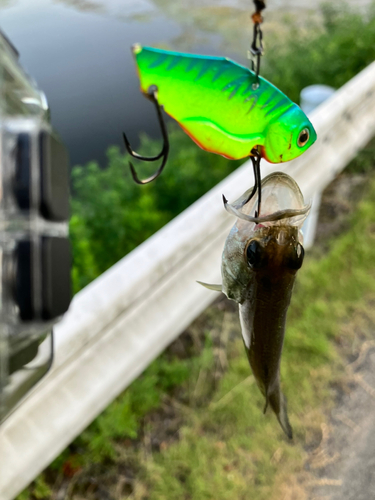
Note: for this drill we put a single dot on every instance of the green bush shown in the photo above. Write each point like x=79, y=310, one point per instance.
x=329, y=52
x=111, y=215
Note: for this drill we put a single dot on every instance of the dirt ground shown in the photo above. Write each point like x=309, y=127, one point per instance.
x=342, y=465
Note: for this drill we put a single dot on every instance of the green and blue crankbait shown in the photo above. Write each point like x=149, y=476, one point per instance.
x=223, y=107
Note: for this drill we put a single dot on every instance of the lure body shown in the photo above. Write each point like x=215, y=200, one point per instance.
x=259, y=266
x=218, y=104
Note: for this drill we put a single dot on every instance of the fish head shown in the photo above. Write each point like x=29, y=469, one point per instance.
x=273, y=248
x=288, y=136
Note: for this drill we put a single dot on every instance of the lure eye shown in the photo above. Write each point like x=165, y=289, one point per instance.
x=254, y=254
x=295, y=260
x=303, y=137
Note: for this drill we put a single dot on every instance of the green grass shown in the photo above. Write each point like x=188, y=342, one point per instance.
x=227, y=453
x=224, y=447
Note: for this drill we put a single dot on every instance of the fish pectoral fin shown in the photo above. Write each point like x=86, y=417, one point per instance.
x=215, y=288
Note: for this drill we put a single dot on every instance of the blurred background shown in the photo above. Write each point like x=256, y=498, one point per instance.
x=79, y=53
x=145, y=445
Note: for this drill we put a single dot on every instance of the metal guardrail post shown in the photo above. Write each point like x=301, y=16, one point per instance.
x=310, y=98
x=309, y=227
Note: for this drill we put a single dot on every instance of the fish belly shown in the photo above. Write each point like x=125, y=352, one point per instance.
x=264, y=318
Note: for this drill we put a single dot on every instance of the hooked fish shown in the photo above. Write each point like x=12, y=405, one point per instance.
x=259, y=264
x=222, y=105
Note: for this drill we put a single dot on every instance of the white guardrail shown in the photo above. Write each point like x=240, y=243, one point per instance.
x=119, y=323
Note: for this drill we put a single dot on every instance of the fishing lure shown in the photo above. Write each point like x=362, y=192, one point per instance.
x=259, y=264
x=224, y=107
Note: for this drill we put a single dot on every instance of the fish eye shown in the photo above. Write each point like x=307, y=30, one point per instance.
x=303, y=137
x=254, y=254
x=295, y=260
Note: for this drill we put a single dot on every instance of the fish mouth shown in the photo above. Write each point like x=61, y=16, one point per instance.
x=282, y=203
x=276, y=216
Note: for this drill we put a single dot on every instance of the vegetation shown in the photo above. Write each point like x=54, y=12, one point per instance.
x=222, y=444
x=328, y=52
x=227, y=449
x=225, y=445
x=112, y=215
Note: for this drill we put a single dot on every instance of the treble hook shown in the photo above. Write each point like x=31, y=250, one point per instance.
x=255, y=158
x=151, y=94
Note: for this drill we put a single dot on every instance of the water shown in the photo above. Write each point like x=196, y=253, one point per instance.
x=82, y=61
x=79, y=53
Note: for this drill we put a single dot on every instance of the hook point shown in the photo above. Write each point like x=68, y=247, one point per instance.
x=165, y=149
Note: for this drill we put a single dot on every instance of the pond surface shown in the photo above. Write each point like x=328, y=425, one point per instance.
x=79, y=53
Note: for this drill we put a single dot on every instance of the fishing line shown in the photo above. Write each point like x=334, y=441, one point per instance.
x=256, y=48
x=256, y=52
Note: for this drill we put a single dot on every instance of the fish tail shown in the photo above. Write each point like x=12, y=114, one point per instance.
x=278, y=403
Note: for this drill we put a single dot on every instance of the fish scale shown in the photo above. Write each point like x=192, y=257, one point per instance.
x=217, y=103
